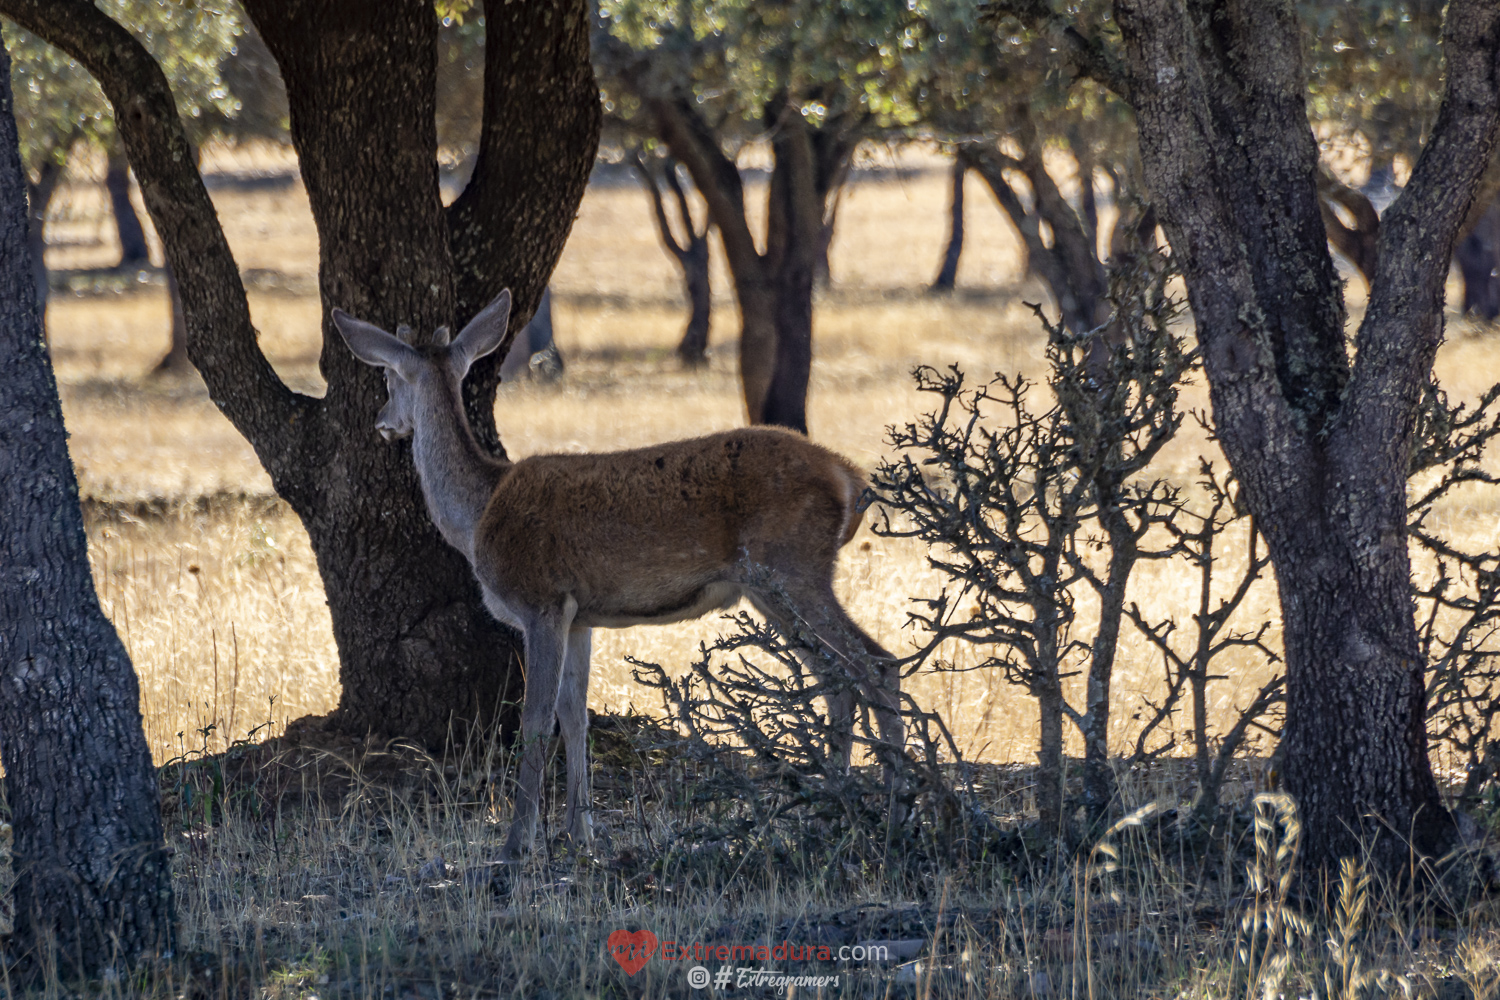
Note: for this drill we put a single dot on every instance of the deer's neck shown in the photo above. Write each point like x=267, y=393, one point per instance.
x=458, y=475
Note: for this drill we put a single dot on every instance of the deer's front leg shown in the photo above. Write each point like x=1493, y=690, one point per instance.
x=546, y=645
x=573, y=719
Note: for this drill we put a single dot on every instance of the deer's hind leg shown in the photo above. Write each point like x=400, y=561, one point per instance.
x=573, y=720
x=546, y=634
x=811, y=611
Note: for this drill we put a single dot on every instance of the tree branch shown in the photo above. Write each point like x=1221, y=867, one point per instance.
x=220, y=339
x=663, y=225
x=537, y=144
x=1403, y=323
x=693, y=144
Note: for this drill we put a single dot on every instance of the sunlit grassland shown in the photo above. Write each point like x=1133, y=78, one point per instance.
x=220, y=603
x=360, y=868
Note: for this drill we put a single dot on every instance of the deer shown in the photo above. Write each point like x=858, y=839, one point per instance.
x=563, y=544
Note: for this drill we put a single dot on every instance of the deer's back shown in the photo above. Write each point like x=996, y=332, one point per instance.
x=651, y=525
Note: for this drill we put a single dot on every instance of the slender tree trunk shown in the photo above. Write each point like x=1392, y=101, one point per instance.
x=1050, y=780
x=419, y=654
x=948, y=273
x=1478, y=258
x=691, y=254
x=93, y=880
x=134, y=251
x=175, y=361
x=693, y=348
x=38, y=198
x=1098, y=777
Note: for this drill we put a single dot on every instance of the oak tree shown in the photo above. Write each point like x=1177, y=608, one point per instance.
x=1317, y=425
x=418, y=652
x=93, y=878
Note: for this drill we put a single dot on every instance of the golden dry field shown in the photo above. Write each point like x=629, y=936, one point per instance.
x=365, y=868
x=211, y=582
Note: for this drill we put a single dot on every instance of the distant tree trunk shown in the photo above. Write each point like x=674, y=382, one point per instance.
x=1070, y=267
x=176, y=360
x=38, y=198
x=948, y=273
x=1478, y=258
x=535, y=339
x=93, y=879
x=419, y=654
x=1360, y=242
x=1319, y=440
x=134, y=251
x=774, y=288
x=691, y=254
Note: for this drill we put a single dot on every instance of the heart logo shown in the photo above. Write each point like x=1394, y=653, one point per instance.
x=632, y=949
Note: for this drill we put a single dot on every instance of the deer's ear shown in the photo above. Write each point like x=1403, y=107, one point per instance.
x=484, y=332
x=372, y=345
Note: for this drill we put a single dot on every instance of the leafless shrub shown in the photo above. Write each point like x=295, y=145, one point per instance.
x=750, y=706
x=1023, y=507
x=1459, y=609
x=1189, y=668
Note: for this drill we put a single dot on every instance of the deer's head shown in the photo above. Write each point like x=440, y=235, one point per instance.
x=418, y=377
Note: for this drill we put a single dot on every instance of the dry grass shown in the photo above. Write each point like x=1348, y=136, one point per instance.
x=617, y=318
x=360, y=870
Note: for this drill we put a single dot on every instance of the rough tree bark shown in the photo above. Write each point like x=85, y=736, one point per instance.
x=93, y=879
x=948, y=273
x=418, y=652
x=1319, y=442
x=691, y=254
x=774, y=287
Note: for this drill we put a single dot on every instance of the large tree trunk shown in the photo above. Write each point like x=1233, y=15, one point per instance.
x=134, y=251
x=93, y=879
x=948, y=273
x=419, y=654
x=1319, y=443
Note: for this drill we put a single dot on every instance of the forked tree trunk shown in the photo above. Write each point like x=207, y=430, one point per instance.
x=93, y=879
x=1070, y=267
x=690, y=252
x=948, y=273
x=1319, y=441
x=134, y=251
x=774, y=288
x=419, y=654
